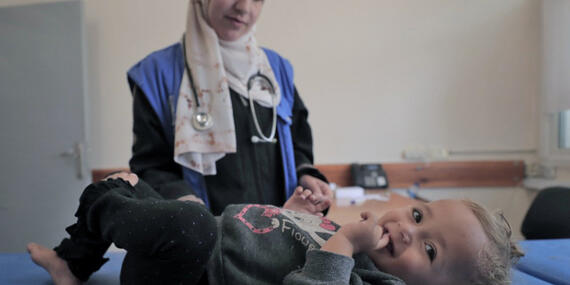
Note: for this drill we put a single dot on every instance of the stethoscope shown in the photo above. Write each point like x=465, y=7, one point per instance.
x=202, y=121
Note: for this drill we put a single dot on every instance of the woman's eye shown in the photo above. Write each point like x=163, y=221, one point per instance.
x=417, y=215
x=430, y=250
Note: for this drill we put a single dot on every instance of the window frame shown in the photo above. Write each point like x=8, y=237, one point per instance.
x=550, y=151
x=564, y=124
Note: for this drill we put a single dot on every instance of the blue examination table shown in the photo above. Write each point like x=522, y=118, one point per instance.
x=545, y=262
x=18, y=268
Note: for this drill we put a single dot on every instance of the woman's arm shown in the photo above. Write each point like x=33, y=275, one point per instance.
x=309, y=177
x=302, y=137
x=153, y=156
x=333, y=263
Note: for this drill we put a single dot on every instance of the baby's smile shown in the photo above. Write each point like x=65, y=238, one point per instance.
x=390, y=246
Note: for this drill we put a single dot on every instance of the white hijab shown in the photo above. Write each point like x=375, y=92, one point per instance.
x=216, y=66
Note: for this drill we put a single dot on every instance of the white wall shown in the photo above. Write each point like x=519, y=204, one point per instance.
x=119, y=33
x=458, y=74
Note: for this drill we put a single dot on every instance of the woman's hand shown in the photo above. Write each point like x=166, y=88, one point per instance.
x=321, y=192
x=362, y=236
x=302, y=201
x=132, y=178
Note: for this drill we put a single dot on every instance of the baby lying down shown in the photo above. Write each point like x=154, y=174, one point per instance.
x=180, y=242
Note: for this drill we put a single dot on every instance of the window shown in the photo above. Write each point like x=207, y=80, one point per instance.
x=564, y=130
x=555, y=138
x=555, y=94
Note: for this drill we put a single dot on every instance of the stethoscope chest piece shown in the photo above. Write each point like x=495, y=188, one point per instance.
x=202, y=121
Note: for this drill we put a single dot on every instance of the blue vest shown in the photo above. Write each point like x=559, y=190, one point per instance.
x=159, y=76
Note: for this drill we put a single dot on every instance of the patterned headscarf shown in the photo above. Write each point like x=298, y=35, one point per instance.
x=215, y=67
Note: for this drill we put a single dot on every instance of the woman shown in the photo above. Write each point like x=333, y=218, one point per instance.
x=218, y=74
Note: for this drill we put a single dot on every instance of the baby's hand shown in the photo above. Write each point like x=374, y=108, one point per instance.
x=304, y=201
x=365, y=235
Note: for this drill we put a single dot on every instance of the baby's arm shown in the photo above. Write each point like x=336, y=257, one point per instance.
x=324, y=268
x=362, y=236
x=333, y=264
x=304, y=201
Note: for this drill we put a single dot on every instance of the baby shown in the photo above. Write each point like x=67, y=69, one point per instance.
x=443, y=242
x=173, y=242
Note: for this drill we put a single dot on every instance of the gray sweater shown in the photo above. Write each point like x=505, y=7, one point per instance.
x=260, y=244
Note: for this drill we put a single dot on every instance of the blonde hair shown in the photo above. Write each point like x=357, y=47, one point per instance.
x=495, y=259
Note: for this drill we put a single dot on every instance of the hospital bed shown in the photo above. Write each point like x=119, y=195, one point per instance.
x=546, y=262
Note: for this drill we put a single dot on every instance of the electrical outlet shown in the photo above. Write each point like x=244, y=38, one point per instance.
x=423, y=153
x=549, y=172
x=412, y=153
x=537, y=170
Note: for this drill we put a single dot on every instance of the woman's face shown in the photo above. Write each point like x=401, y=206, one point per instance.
x=232, y=19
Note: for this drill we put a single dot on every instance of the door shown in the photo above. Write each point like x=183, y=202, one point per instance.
x=42, y=121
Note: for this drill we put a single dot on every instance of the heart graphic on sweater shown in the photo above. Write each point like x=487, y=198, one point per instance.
x=263, y=223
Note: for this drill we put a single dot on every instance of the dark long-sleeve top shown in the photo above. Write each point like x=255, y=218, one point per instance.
x=254, y=174
x=260, y=244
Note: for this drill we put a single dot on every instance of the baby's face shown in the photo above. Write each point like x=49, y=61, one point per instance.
x=433, y=243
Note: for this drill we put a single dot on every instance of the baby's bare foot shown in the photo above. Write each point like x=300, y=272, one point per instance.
x=53, y=264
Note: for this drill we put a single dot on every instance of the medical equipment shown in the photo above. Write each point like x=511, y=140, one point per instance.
x=263, y=83
x=369, y=175
x=202, y=121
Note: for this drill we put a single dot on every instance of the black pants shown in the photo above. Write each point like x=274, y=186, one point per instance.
x=167, y=241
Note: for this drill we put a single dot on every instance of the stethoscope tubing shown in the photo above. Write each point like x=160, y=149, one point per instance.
x=262, y=137
x=202, y=121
